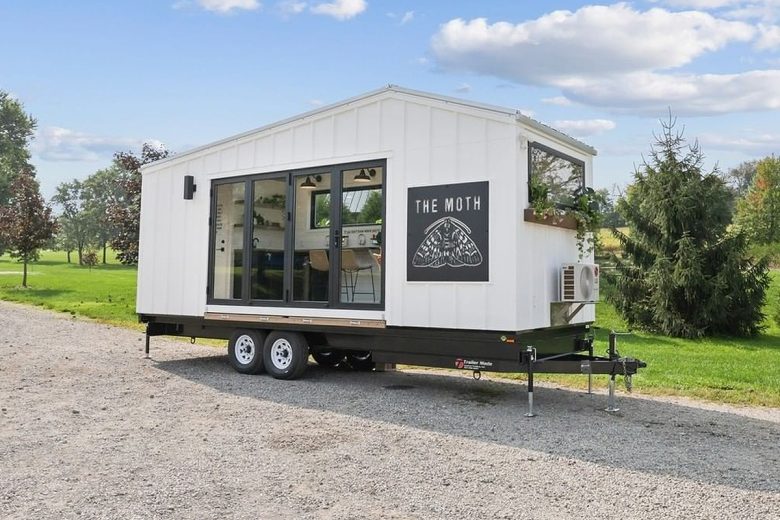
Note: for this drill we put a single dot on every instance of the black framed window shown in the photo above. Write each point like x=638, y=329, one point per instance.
x=554, y=176
x=305, y=238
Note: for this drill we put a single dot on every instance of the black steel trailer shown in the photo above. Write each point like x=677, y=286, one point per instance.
x=283, y=349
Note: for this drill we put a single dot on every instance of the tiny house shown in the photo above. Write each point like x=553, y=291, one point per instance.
x=391, y=227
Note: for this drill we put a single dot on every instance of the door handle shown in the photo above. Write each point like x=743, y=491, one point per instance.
x=221, y=249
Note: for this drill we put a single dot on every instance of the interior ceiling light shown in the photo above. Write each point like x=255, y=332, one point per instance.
x=363, y=176
x=308, y=184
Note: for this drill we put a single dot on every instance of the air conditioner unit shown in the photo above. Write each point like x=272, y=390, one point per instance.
x=579, y=283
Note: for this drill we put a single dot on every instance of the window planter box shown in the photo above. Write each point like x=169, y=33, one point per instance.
x=565, y=221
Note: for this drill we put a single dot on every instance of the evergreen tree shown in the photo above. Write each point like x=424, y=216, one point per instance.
x=683, y=274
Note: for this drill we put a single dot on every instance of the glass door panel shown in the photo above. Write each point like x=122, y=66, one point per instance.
x=311, y=238
x=228, y=241
x=361, y=235
x=269, y=222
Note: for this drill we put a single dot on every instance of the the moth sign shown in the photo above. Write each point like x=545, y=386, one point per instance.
x=447, y=239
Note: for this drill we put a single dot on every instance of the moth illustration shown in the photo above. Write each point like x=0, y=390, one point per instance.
x=447, y=243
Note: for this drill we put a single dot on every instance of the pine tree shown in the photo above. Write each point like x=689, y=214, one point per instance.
x=683, y=273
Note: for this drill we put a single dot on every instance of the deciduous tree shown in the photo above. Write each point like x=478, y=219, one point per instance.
x=16, y=130
x=758, y=212
x=26, y=222
x=77, y=225
x=683, y=273
x=125, y=212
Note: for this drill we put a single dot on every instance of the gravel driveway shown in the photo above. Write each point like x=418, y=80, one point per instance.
x=90, y=429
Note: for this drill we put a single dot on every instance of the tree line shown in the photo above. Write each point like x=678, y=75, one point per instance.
x=94, y=214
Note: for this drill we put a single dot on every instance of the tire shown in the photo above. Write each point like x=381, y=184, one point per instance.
x=360, y=361
x=285, y=354
x=245, y=351
x=330, y=358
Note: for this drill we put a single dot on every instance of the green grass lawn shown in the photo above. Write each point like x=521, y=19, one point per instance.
x=106, y=293
x=742, y=371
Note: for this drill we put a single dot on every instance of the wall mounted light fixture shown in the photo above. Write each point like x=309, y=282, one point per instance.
x=189, y=187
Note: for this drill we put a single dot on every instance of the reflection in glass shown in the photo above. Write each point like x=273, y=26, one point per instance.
x=361, y=231
x=311, y=239
x=554, y=178
x=269, y=218
x=228, y=240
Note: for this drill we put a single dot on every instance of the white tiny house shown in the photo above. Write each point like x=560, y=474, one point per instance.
x=408, y=142
x=391, y=227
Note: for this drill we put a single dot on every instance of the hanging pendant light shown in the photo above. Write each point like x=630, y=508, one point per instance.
x=363, y=176
x=308, y=184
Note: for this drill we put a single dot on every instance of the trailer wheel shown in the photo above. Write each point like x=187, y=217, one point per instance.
x=286, y=354
x=245, y=351
x=328, y=358
x=360, y=361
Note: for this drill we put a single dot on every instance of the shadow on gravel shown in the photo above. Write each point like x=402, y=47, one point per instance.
x=645, y=436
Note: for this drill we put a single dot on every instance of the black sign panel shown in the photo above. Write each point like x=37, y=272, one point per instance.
x=447, y=234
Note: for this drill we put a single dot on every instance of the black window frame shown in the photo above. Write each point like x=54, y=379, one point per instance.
x=560, y=155
x=313, y=224
x=336, y=171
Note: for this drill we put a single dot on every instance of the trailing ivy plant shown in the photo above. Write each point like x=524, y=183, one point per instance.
x=585, y=211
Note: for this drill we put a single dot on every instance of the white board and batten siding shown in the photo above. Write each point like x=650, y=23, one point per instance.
x=426, y=140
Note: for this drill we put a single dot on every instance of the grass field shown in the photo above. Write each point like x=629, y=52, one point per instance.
x=106, y=293
x=742, y=371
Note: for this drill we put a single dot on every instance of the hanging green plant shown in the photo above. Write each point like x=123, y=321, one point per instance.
x=585, y=212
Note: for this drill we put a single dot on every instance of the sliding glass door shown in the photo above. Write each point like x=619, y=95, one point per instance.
x=309, y=238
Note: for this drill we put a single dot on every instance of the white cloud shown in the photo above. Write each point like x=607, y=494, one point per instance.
x=407, y=17
x=769, y=38
x=584, y=127
x=591, y=41
x=753, y=143
x=226, y=6
x=54, y=143
x=463, y=88
x=685, y=94
x=766, y=10
x=561, y=101
x=614, y=57
x=340, y=9
x=316, y=102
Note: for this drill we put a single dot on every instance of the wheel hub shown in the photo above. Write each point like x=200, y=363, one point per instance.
x=245, y=349
x=281, y=354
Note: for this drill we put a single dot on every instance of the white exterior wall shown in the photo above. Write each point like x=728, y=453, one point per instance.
x=426, y=142
x=542, y=248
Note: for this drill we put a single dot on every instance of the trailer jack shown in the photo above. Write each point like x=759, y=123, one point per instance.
x=578, y=363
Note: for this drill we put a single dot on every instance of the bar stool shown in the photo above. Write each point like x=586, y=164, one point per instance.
x=353, y=261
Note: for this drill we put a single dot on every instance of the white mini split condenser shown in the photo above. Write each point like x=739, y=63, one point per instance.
x=579, y=282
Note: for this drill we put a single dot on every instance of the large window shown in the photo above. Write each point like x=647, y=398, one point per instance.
x=554, y=176
x=308, y=237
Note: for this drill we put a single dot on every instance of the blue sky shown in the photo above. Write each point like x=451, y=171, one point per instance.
x=105, y=76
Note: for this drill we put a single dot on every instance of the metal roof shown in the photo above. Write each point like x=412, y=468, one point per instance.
x=393, y=88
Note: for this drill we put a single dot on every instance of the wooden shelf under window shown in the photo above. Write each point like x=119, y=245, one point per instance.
x=565, y=221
